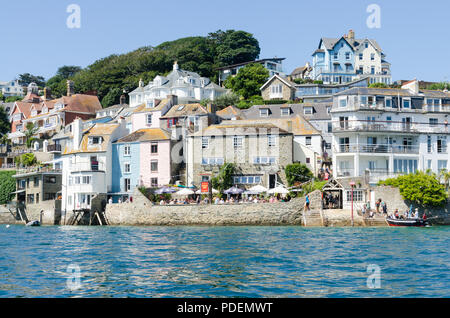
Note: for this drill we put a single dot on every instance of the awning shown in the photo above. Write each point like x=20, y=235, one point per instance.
x=17, y=192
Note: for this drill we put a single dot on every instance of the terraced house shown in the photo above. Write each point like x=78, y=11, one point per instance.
x=384, y=132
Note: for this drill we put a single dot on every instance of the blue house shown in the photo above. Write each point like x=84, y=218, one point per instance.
x=125, y=169
x=334, y=61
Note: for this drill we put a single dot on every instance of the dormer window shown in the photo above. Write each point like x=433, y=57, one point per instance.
x=95, y=140
x=308, y=110
x=264, y=112
x=34, y=113
x=192, y=81
x=285, y=111
x=150, y=103
x=59, y=106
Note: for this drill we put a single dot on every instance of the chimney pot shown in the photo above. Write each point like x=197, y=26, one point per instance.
x=70, y=88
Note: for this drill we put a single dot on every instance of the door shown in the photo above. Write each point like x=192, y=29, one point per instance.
x=344, y=144
x=272, y=181
x=406, y=123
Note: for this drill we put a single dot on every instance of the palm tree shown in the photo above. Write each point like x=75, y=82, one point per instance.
x=446, y=176
x=29, y=133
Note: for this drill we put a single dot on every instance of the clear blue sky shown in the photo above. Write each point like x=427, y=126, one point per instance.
x=35, y=39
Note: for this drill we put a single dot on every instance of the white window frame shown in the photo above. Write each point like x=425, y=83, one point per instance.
x=127, y=167
x=147, y=117
x=205, y=142
x=265, y=110
x=310, y=110
x=271, y=140
x=238, y=142
x=127, y=150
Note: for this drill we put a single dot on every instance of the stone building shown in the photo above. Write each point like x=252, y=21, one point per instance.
x=260, y=152
x=278, y=88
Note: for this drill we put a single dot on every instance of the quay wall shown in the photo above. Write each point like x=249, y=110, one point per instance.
x=142, y=212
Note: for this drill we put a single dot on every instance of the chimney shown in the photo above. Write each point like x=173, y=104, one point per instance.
x=351, y=35
x=175, y=66
x=70, y=88
x=47, y=93
x=77, y=132
x=289, y=126
x=210, y=108
x=123, y=99
x=413, y=86
x=141, y=83
x=173, y=99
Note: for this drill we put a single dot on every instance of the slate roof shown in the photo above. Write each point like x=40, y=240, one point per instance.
x=183, y=110
x=230, y=112
x=319, y=111
x=148, y=134
x=97, y=130
x=329, y=43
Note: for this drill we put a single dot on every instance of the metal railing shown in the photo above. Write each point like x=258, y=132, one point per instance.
x=389, y=126
x=378, y=148
x=54, y=148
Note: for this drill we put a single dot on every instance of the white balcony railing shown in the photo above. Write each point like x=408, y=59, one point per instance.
x=388, y=126
x=378, y=148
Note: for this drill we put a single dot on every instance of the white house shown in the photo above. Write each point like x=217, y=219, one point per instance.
x=385, y=132
x=87, y=163
x=11, y=88
x=187, y=86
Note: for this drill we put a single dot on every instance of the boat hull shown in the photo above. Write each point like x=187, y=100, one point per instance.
x=408, y=223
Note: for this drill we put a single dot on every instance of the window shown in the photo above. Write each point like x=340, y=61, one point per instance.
x=154, y=166
x=246, y=179
x=69, y=200
x=433, y=122
x=149, y=120
x=127, y=151
x=154, y=182
x=343, y=102
x=308, y=140
x=406, y=103
x=36, y=181
x=360, y=56
x=363, y=100
x=308, y=160
x=372, y=70
x=86, y=179
x=442, y=165
x=335, y=56
x=285, y=111
x=127, y=184
x=276, y=89
x=330, y=127
x=205, y=142
x=347, y=55
x=271, y=140
x=366, y=45
x=388, y=102
x=308, y=110
x=405, y=166
x=442, y=144
x=357, y=196
x=264, y=112
x=127, y=167
x=50, y=179
x=264, y=160
x=372, y=57
x=212, y=161
x=154, y=148
x=237, y=142
x=429, y=144
x=95, y=140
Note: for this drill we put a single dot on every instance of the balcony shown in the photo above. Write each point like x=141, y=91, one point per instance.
x=377, y=149
x=88, y=167
x=387, y=126
x=54, y=148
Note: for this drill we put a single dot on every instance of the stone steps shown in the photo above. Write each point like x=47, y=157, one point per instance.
x=375, y=222
x=312, y=218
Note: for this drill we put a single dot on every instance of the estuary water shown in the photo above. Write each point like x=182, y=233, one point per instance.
x=224, y=262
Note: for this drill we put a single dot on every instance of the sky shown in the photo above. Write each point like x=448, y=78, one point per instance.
x=413, y=34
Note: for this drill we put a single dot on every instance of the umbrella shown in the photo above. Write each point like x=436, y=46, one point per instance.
x=258, y=189
x=200, y=191
x=185, y=192
x=164, y=190
x=278, y=190
x=233, y=190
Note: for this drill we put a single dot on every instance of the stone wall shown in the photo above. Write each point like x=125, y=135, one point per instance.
x=51, y=212
x=143, y=212
x=288, y=92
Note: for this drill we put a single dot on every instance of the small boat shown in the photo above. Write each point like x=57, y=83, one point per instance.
x=408, y=222
x=33, y=223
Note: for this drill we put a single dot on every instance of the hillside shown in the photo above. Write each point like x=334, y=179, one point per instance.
x=109, y=76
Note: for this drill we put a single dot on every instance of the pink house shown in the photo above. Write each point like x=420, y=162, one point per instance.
x=148, y=114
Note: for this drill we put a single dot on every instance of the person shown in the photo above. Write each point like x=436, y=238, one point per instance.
x=110, y=201
x=162, y=202
x=424, y=216
x=364, y=209
x=216, y=200
x=396, y=216
x=416, y=215
x=377, y=205
x=446, y=125
x=384, y=207
x=120, y=200
x=307, y=202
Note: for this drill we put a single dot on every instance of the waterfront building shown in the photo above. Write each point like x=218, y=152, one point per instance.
x=385, y=132
x=33, y=186
x=273, y=65
x=86, y=162
x=11, y=88
x=260, y=151
x=342, y=60
x=316, y=114
x=141, y=159
x=188, y=86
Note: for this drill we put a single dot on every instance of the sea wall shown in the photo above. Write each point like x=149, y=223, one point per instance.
x=142, y=212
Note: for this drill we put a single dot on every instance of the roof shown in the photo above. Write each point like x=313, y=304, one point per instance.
x=98, y=130
x=230, y=112
x=279, y=59
x=113, y=107
x=182, y=110
x=241, y=127
x=329, y=43
x=148, y=134
x=319, y=111
x=160, y=104
x=284, y=80
x=392, y=92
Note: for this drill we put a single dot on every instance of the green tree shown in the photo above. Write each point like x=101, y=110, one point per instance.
x=67, y=71
x=31, y=129
x=419, y=188
x=113, y=97
x=28, y=159
x=12, y=99
x=223, y=101
x=233, y=47
x=248, y=81
x=224, y=179
x=297, y=173
x=378, y=85
x=7, y=186
x=27, y=78
x=5, y=125
x=440, y=86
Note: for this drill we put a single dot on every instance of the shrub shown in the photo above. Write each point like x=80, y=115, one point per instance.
x=297, y=173
x=419, y=188
x=7, y=186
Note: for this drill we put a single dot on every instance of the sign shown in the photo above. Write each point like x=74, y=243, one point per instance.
x=205, y=187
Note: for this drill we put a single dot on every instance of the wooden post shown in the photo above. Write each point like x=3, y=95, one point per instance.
x=98, y=217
